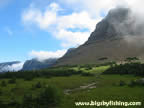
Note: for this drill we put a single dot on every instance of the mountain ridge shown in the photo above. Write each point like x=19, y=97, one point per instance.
x=35, y=64
x=116, y=37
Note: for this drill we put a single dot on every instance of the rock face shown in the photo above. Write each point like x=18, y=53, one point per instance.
x=118, y=23
x=117, y=36
x=34, y=64
x=4, y=67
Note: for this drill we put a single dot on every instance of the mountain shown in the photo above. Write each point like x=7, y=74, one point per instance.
x=35, y=64
x=118, y=36
x=8, y=66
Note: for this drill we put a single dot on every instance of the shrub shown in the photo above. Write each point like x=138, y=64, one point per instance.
x=12, y=81
x=132, y=83
x=128, y=68
x=38, y=85
x=87, y=74
x=114, y=84
x=13, y=103
x=3, y=84
x=103, y=58
x=2, y=105
x=140, y=82
x=28, y=101
x=136, y=83
x=50, y=96
x=28, y=78
x=0, y=92
x=122, y=83
x=131, y=59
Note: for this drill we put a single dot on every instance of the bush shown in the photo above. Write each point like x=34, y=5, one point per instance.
x=87, y=74
x=128, y=68
x=2, y=105
x=28, y=101
x=132, y=83
x=13, y=103
x=122, y=83
x=136, y=83
x=140, y=82
x=12, y=81
x=3, y=84
x=28, y=78
x=50, y=96
x=1, y=92
x=103, y=58
x=38, y=85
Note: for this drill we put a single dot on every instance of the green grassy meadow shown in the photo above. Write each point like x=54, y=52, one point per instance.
x=106, y=88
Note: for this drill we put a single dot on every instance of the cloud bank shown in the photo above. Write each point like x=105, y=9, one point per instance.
x=43, y=55
x=12, y=68
x=71, y=29
x=15, y=67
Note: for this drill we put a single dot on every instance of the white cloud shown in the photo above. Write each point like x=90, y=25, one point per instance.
x=95, y=7
x=76, y=21
x=13, y=67
x=72, y=38
x=60, y=25
x=42, y=55
x=41, y=19
x=85, y=15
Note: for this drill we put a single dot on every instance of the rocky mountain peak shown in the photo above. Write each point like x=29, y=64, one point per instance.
x=118, y=23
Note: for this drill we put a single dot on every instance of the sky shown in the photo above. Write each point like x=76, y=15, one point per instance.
x=47, y=28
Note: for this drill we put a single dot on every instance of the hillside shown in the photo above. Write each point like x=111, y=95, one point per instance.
x=118, y=36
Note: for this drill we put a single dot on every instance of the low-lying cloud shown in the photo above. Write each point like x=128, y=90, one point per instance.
x=43, y=55
x=12, y=68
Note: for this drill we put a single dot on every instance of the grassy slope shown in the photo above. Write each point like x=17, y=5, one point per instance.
x=106, y=88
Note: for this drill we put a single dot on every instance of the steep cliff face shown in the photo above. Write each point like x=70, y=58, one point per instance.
x=107, y=28
x=119, y=23
x=117, y=36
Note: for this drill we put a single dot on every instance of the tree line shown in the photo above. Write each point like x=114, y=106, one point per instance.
x=132, y=68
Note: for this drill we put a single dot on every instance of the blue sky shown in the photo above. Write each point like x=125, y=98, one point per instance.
x=47, y=28
x=16, y=40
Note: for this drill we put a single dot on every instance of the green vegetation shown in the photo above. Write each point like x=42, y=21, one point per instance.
x=29, y=75
x=131, y=59
x=61, y=87
x=12, y=81
x=128, y=68
x=3, y=84
x=103, y=58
